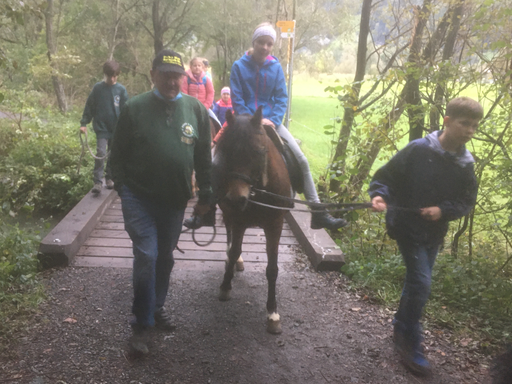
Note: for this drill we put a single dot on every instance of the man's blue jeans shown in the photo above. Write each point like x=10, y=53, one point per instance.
x=154, y=230
x=419, y=260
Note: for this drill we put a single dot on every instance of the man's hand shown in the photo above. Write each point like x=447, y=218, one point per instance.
x=378, y=204
x=201, y=209
x=267, y=122
x=431, y=213
x=83, y=129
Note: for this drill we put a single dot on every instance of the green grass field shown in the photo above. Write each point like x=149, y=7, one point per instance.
x=313, y=109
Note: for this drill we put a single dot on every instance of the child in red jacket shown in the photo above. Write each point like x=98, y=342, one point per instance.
x=197, y=84
x=223, y=105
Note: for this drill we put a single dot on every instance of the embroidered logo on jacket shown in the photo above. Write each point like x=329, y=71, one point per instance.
x=188, y=133
x=117, y=99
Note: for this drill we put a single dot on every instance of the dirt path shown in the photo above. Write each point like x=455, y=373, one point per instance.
x=329, y=335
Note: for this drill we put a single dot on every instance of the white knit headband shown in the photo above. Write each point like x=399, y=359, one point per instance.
x=264, y=30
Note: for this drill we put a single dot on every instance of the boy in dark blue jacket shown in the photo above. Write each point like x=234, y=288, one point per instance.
x=423, y=187
x=103, y=107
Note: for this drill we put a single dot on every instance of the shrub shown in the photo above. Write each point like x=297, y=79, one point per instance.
x=39, y=172
x=20, y=291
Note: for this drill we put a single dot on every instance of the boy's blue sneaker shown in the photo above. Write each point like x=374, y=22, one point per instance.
x=408, y=346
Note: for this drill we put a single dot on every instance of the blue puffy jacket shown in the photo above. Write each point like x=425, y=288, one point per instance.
x=253, y=85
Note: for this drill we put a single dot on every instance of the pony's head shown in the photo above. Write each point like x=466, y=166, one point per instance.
x=242, y=149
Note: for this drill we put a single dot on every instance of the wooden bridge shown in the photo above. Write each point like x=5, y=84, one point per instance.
x=93, y=235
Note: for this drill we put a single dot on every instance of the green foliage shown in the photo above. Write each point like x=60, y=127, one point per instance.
x=18, y=263
x=38, y=171
x=20, y=291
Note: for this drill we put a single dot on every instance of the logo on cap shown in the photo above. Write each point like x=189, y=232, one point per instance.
x=172, y=60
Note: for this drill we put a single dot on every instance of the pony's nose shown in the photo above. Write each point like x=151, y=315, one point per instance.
x=237, y=202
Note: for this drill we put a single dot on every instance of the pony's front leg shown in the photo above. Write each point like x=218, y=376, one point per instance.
x=240, y=264
x=273, y=234
x=234, y=251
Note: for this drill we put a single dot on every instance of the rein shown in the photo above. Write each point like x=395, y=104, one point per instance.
x=317, y=207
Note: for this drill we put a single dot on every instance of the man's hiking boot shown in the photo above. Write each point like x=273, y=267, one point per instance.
x=139, y=340
x=408, y=345
x=196, y=222
x=96, y=189
x=110, y=184
x=163, y=320
x=321, y=220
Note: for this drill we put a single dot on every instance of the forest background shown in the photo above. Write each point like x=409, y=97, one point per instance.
x=387, y=69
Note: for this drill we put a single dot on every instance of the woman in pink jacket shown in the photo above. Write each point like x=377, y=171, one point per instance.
x=197, y=84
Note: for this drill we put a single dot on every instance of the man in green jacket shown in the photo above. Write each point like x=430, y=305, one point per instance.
x=160, y=138
x=102, y=108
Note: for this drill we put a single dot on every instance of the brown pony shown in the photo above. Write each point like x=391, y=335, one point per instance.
x=246, y=157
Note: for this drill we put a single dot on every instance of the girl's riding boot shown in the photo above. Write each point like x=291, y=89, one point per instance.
x=325, y=220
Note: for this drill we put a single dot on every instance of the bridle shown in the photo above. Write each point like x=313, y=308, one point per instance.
x=240, y=176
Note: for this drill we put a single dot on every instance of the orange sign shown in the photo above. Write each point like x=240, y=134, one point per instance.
x=286, y=25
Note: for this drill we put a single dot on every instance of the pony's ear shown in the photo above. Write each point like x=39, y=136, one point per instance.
x=256, y=119
x=229, y=117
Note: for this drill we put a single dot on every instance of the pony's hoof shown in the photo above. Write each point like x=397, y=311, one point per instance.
x=224, y=295
x=239, y=266
x=274, y=327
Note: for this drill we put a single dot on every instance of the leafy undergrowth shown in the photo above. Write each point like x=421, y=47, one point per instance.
x=42, y=172
x=20, y=290
x=39, y=163
x=470, y=297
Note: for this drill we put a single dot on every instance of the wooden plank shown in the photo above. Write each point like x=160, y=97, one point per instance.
x=187, y=236
x=119, y=225
x=112, y=219
x=113, y=212
x=61, y=244
x=116, y=211
x=99, y=252
x=126, y=243
x=322, y=251
x=180, y=264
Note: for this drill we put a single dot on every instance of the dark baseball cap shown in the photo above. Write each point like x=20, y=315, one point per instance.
x=169, y=61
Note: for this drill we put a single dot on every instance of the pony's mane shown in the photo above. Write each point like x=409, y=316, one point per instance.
x=237, y=142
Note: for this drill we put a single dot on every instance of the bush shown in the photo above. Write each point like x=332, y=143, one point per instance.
x=39, y=172
x=20, y=291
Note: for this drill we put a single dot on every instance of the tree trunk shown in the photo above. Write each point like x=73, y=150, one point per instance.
x=440, y=93
x=51, y=45
x=412, y=85
x=410, y=90
x=338, y=162
x=112, y=41
x=158, y=28
x=386, y=124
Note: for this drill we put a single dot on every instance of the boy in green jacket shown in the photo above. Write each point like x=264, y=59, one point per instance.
x=103, y=107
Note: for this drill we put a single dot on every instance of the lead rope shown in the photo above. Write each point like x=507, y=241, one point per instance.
x=85, y=143
x=204, y=244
